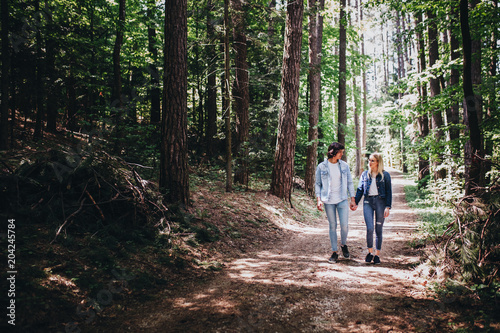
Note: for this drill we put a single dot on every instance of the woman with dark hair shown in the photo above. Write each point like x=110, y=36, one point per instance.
x=375, y=185
x=333, y=183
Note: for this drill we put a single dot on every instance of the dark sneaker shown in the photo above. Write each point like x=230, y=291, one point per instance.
x=376, y=260
x=334, y=257
x=369, y=257
x=345, y=251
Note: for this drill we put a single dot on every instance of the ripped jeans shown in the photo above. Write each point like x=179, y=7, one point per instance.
x=374, y=205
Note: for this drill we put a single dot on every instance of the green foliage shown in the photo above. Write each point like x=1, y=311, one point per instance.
x=434, y=217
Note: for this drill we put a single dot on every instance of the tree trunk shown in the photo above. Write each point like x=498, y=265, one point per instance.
x=357, y=128
x=401, y=75
x=492, y=103
x=320, y=51
x=154, y=91
x=342, y=113
x=174, y=177
x=315, y=93
x=92, y=91
x=52, y=100
x=472, y=150
x=4, y=117
x=399, y=46
x=40, y=73
x=437, y=117
x=365, y=89
x=227, y=100
x=241, y=93
x=272, y=21
x=116, y=97
x=453, y=115
x=71, y=95
x=283, y=170
x=211, y=104
x=422, y=120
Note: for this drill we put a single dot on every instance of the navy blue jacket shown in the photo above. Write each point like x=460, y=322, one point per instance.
x=384, y=187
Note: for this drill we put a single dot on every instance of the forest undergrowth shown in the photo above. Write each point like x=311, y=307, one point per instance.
x=92, y=233
x=459, y=241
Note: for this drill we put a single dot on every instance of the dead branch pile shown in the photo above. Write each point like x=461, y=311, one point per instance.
x=81, y=193
x=472, y=241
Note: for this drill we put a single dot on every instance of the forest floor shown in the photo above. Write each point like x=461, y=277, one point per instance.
x=281, y=280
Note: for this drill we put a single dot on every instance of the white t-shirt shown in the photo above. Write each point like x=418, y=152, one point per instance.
x=373, y=187
x=335, y=190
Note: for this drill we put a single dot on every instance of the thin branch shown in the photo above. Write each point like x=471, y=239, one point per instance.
x=68, y=219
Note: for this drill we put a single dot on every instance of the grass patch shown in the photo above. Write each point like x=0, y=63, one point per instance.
x=433, y=217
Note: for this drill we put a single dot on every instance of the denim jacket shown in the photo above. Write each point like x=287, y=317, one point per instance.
x=322, y=184
x=384, y=187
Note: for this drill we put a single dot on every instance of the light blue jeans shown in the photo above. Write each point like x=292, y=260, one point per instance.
x=374, y=206
x=342, y=208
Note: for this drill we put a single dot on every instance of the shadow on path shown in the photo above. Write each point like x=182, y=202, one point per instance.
x=291, y=287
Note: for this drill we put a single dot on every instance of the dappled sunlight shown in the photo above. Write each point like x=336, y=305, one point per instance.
x=292, y=281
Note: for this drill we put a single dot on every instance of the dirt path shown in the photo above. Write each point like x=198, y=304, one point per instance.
x=290, y=287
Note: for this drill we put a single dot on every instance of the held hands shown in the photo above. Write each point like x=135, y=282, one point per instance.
x=353, y=205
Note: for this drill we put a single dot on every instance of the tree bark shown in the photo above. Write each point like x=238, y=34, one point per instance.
x=154, y=91
x=174, y=174
x=422, y=120
x=227, y=100
x=453, y=115
x=117, y=77
x=283, y=170
x=211, y=103
x=492, y=103
x=342, y=104
x=473, y=149
x=4, y=117
x=40, y=73
x=437, y=117
x=241, y=93
x=365, y=89
x=314, y=78
x=52, y=100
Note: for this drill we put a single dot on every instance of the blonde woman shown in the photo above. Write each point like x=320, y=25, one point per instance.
x=375, y=185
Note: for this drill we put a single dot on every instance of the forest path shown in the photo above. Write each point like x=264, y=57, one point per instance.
x=290, y=286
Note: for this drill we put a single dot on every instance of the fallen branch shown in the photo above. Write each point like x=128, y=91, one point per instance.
x=67, y=220
x=96, y=205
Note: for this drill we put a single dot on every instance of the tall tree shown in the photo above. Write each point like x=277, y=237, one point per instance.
x=174, y=176
x=473, y=147
x=4, y=116
x=435, y=87
x=365, y=85
x=211, y=103
x=227, y=101
x=452, y=113
x=355, y=93
x=283, y=170
x=154, y=91
x=315, y=44
x=342, y=104
x=52, y=99
x=492, y=102
x=116, y=97
x=422, y=119
x=241, y=93
x=40, y=75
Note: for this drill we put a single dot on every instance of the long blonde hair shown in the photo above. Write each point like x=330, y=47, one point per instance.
x=380, y=165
